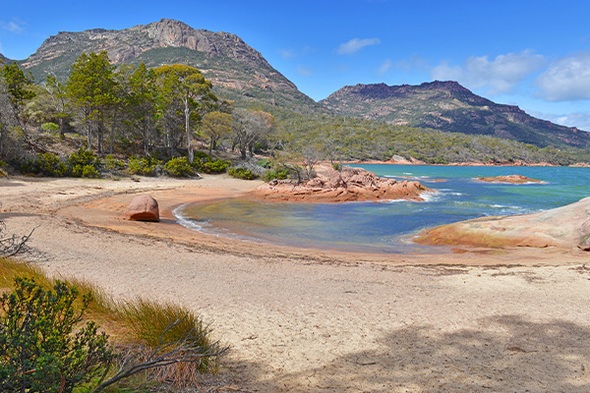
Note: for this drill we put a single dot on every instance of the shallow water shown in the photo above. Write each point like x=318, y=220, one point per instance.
x=387, y=227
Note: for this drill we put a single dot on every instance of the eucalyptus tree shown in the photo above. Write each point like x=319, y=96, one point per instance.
x=91, y=89
x=250, y=126
x=184, y=91
x=216, y=126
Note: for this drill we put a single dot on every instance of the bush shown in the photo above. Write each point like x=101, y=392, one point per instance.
x=241, y=173
x=40, y=351
x=49, y=164
x=113, y=164
x=86, y=171
x=271, y=175
x=142, y=166
x=51, y=127
x=82, y=157
x=179, y=167
x=216, y=166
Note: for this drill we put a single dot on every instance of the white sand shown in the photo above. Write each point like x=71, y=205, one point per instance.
x=310, y=321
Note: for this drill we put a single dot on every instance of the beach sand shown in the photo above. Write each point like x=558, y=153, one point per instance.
x=297, y=320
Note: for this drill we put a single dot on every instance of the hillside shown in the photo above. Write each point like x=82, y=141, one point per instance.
x=448, y=106
x=237, y=71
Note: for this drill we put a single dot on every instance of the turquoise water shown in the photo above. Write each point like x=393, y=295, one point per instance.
x=388, y=227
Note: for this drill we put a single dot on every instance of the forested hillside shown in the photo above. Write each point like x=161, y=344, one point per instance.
x=448, y=106
x=166, y=98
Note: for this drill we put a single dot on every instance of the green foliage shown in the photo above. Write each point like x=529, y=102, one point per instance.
x=241, y=173
x=49, y=164
x=145, y=166
x=179, y=167
x=86, y=171
x=43, y=348
x=82, y=157
x=83, y=163
x=280, y=174
x=113, y=164
x=50, y=127
x=215, y=166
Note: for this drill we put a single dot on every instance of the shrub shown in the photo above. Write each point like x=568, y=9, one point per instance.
x=143, y=166
x=179, y=167
x=40, y=350
x=49, y=164
x=241, y=173
x=216, y=166
x=113, y=164
x=271, y=175
x=51, y=127
x=86, y=171
x=82, y=157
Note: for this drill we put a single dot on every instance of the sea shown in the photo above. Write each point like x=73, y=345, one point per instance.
x=389, y=227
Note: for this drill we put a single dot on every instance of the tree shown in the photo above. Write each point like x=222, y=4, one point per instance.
x=91, y=89
x=183, y=88
x=248, y=127
x=57, y=92
x=139, y=91
x=17, y=86
x=216, y=126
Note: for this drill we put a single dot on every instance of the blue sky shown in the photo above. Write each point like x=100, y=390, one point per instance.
x=534, y=54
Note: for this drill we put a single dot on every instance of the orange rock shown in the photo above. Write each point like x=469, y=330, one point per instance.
x=349, y=184
x=143, y=208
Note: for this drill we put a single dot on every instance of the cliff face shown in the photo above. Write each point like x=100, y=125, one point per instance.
x=237, y=70
x=448, y=106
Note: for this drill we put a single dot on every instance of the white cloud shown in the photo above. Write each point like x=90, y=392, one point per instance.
x=579, y=120
x=14, y=26
x=499, y=75
x=287, y=53
x=386, y=66
x=567, y=79
x=304, y=71
x=356, y=44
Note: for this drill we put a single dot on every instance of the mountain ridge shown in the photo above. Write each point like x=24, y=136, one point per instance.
x=449, y=106
x=234, y=67
x=240, y=73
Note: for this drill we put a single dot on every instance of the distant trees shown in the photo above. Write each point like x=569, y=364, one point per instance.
x=134, y=110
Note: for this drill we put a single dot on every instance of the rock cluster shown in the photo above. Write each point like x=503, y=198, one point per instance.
x=143, y=208
x=347, y=185
x=512, y=179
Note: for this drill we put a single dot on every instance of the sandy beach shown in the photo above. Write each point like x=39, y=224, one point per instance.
x=304, y=320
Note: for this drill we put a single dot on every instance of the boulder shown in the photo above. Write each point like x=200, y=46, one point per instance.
x=143, y=208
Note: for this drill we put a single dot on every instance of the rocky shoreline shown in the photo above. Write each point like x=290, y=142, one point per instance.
x=346, y=185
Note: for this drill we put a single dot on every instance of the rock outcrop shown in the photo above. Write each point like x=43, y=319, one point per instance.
x=143, y=208
x=347, y=185
x=511, y=179
x=566, y=227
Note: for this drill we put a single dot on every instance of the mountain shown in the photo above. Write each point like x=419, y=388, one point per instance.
x=237, y=71
x=448, y=106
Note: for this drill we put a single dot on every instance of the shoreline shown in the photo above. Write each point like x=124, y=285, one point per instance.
x=302, y=320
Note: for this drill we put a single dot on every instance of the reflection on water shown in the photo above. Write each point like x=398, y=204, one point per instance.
x=388, y=227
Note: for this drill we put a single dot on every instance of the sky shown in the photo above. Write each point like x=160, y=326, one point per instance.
x=533, y=54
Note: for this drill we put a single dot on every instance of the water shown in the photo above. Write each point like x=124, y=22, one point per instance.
x=388, y=227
